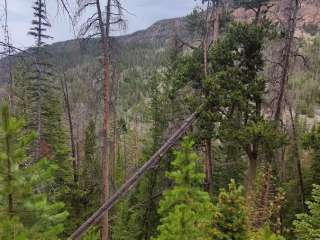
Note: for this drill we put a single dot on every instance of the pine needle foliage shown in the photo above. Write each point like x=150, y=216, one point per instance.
x=186, y=210
x=25, y=209
x=307, y=225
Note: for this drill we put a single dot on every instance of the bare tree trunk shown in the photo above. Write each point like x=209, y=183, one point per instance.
x=9, y=176
x=104, y=30
x=39, y=119
x=71, y=132
x=253, y=166
x=292, y=21
x=125, y=152
x=208, y=167
x=136, y=140
x=208, y=147
x=216, y=24
x=298, y=162
x=39, y=102
x=113, y=149
x=105, y=153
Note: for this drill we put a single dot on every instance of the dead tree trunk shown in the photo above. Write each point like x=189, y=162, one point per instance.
x=252, y=153
x=129, y=184
x=104, y=29
x=207, y=142
x=292, y=21
x=102, y=20
x=9, y=175
x=216, y=21
x=208, y=167
x=73, y=146
x=298, y=162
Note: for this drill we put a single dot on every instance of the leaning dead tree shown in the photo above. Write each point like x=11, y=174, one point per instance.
x=284, y=65
x=100, y=24
x=130, y=183
x=291, y=22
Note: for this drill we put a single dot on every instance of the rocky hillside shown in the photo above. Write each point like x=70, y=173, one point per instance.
x=308, y=17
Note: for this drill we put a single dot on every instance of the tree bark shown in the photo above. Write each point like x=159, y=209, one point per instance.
x=9, y=176
x=216, y=24
x=207, y=142
x=253, y=165
x=104, y=30
x=208, y=167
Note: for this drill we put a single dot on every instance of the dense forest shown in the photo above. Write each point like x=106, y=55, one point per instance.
x=205, y=127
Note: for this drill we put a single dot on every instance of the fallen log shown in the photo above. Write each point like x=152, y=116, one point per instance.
x=129, y=184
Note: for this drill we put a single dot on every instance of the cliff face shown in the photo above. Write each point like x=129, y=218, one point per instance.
x=308, y=23
x=164, y=30
x=161, y=31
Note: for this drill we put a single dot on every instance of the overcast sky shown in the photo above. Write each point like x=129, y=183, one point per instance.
x=143, y=13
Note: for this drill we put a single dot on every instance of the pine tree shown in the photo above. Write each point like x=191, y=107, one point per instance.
x=25, y=209
x=186, y=211
x=265, y=234
x=133, y=220
x=312, y=141
x=90, y=166
x=85, y=197
x=307, y=225
x=231, y=206
x=44, y=110
x=235, y=89
x=40, y=77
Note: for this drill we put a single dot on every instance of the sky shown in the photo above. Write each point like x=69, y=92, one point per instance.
x=142, y=13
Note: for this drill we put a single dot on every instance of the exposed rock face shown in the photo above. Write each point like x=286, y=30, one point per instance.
x=308, y=21
x=161, y=31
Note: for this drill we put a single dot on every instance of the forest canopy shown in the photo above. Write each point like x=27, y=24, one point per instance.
x=203, y=127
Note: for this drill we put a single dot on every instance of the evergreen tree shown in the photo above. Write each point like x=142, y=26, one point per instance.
x=134, y=221
x=40, y=81
x=85, y=195
x=312, y=141
x=232, y=220
x=25, y=209
x=90, y=166
x=307, y=225
x=186, y=211
x=235, y=90
x=265, y=234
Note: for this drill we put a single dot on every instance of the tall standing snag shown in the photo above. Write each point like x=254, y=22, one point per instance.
x=293, y=8
x=103, y=20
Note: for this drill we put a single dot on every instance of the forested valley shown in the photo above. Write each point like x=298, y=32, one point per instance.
x=203, y=127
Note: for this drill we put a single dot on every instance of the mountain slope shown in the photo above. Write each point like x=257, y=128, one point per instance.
x=158, y=37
